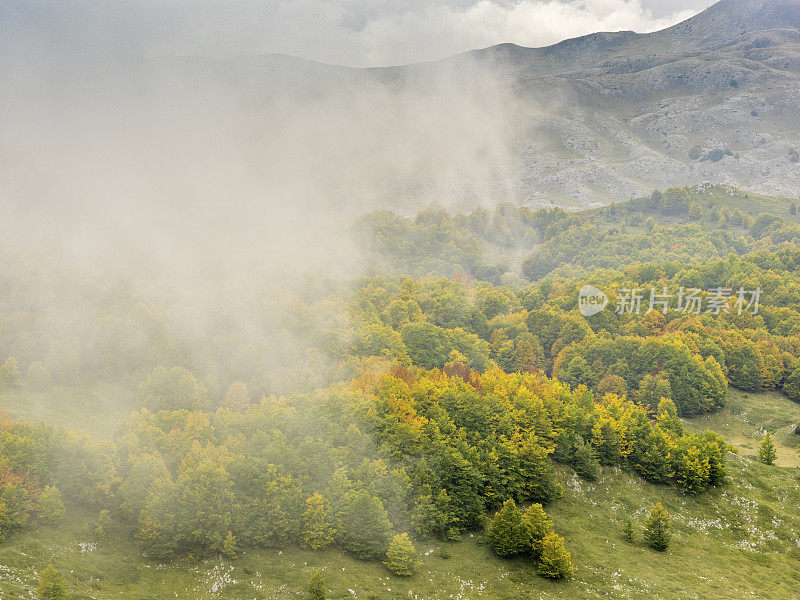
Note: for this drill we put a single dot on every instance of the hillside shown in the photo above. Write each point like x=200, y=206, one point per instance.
x=741, y=541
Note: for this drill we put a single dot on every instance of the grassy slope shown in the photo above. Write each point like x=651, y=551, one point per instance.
x=97, y=409
x=739, y=541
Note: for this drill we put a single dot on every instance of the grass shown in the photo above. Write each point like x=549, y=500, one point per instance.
x=97, y=409
x=739, y=541
x=745, y=419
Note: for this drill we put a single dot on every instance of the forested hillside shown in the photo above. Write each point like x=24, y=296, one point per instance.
x=447, y=398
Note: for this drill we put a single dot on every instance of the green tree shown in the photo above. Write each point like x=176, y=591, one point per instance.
x=9, y=373
x=316, y=586
x=428, y=345
x=538, y=525
x=317, y=528
x=171, y=389
x=507, y=533
x=668, y=418
x=364, y=526
x=539, y=481
x=51, y=509
x=656, y=528
x=652, y=389
x=554, y=560
x=51, y=584
x=401, y=557
x=229, y=547
x=766, y=451
x=237, y=396
x=791, y=387
x=628, y=532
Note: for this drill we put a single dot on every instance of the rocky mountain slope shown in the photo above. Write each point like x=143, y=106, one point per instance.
x=591, y=120
x=611, y=116
x=714, y=98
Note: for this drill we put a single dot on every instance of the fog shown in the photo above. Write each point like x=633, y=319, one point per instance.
x=199, y=166
x=204, y=189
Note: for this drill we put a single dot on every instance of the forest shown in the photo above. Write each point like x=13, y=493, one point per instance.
x=432, y=397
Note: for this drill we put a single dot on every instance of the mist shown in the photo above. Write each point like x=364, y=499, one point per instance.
x=199, y=166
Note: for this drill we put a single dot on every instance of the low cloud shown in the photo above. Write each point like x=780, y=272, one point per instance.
x=350, y=32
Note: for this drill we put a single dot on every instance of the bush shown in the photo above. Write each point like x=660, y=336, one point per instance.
x=401, y=558
x=628, y=532
x=51, y=584
x=656, y=530
x=51, y=509
x=554, y=560
x=766, y=451
x=316, y=586
x=507, y=533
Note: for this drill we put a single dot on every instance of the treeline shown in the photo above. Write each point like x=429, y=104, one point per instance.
x=520, y=328
x=691, y=224
x=687, y=357
x=62, y=327
x=432, y=453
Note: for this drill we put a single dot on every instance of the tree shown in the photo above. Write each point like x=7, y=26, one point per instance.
x=507, y=533
x=656, y=529
x=171, y=389
x=554, y=560
x=364, y=526
x=51, y=507
x=316, y=586
x=229, y=548
x=539, y=481
x=10, y=373
x=695, y=211
x=766, y=451
x=428, y=345
x=791, y=387
x=401, y=558
x=237, y=397
x=628, y=532
x=652, y=389
x=51, y=584
x=317, y=528
x=668, y=417
x=538, y=525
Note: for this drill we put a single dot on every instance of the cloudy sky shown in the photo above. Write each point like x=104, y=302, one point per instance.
x=350, y=32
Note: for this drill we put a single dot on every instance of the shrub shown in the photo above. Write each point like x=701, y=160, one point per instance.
x=507, y=533
x=628, y=532
x=316, y=586
x=51, y=584
x=401, y=558
x=554, y=560
x=656, y=530
x=766, y=451
x=51, y=507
